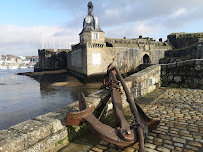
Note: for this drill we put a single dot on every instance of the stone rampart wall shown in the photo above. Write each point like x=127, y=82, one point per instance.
x=187, y=74
x=126, y=59
x=127, y=54
x=48, y=133
x=77, y=60
x=51, y=59
x=177, y=55
x=184, y=40
x=136, y=42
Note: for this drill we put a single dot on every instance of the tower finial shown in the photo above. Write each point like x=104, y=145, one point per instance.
x=90, y=8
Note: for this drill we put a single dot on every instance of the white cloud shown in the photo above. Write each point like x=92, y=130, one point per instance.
x=133, y=30
x=118, y=18
x=19, y=40
x=145, y=28
x=179, y=12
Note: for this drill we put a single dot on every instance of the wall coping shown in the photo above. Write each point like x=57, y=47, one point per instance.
x=181, y=63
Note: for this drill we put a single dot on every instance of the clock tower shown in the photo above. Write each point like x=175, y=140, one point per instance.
x=91, y=31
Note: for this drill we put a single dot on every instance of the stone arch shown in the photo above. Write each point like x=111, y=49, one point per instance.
x=146, y=59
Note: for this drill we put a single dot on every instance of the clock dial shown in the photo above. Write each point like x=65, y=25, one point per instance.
x=88, y=19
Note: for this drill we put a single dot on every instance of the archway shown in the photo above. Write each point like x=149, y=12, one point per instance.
x=146, y=59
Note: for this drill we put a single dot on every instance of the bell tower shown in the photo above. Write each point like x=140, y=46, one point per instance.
x=91, y=30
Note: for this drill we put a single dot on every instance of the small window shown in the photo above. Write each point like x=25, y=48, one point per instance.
x=150, y=82
x=95, y=35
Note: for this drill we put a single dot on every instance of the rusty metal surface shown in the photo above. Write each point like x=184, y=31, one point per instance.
x=125, y=134
x=141, y=119
x=103, y=131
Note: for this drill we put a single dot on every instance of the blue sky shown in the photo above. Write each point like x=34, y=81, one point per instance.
x=27, y=25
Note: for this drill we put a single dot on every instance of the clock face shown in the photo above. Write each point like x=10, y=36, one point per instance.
x=88, y=19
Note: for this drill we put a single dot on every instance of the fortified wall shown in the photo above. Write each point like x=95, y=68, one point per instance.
x=186, y=46
x=128, y=54
x=92, y=58
x=182, y=66
x=176, y=55
x=186, y=74
x=94, y=52
x=51, y=59
x=184, y=40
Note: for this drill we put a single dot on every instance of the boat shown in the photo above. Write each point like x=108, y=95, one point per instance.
x=12, y=67
x=32, y=66
x=23, y=67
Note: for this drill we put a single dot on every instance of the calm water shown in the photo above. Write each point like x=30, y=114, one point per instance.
x=23, y=98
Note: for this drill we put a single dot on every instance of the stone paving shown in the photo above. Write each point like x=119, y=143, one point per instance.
x=181, y=127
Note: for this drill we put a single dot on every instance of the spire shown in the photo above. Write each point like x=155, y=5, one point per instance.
x=90, y=8
x=91, y=23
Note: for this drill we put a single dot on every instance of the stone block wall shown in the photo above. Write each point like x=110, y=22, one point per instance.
x=126, y=54
x=139, y=43
x=144, y=81
x=77, y=60
x=51, y=59
x=186, y=74
x=177, y=55
x=126, y=59
x=184, y=40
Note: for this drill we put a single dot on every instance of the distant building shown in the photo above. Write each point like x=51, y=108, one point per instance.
x=1, y=60
x=11, y=60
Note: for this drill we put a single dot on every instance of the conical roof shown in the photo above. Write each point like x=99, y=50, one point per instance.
x=90, y=3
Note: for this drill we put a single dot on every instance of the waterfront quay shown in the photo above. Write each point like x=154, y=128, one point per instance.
x=180, y=130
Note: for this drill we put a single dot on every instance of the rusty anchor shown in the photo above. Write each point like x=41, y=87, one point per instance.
x=125, y=135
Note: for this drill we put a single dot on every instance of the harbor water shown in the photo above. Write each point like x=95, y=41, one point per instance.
x=23, y=98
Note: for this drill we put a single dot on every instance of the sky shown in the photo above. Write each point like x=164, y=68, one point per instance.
x=29, y=25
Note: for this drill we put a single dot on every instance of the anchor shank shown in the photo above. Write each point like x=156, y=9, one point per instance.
x=125, y=132
x=133, y=108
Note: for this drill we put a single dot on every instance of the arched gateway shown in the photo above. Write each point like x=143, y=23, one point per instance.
x=146, y=59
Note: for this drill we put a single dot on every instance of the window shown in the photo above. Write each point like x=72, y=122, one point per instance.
x=95, y=35
x=150, y=82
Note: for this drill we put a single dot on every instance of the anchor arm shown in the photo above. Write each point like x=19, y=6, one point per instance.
x=103, y=131
x=124, y=136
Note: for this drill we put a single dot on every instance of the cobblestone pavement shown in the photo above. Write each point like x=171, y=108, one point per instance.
x=181, y=127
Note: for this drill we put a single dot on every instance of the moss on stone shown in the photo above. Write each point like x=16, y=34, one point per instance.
x=60, y=142
x=75, y=132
